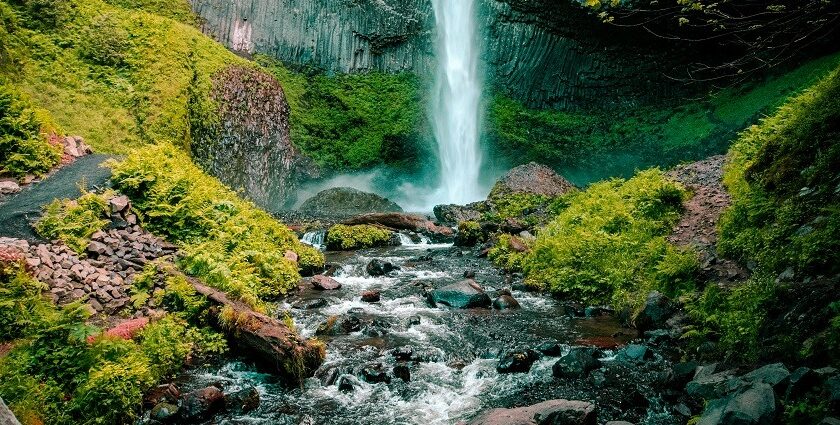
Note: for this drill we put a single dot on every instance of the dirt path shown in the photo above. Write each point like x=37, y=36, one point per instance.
x=698, y=226
x=19, y=210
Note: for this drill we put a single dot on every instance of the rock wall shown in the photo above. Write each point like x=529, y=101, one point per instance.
x=544, y=52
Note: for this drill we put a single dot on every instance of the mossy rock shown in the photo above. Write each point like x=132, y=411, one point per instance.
x=346, y=238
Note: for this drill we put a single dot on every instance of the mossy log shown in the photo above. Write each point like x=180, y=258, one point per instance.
x=402, y=221
x=279, y=348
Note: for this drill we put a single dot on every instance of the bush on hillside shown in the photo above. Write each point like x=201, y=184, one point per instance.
x=608, y=246
x=229, y=242
x=75, y=221
x=23, y=149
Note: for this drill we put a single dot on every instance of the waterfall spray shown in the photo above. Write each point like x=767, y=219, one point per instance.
x=455, y=111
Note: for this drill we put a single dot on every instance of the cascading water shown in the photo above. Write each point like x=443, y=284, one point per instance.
x=455, y=111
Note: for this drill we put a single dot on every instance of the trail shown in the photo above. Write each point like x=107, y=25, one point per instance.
x=18, y=211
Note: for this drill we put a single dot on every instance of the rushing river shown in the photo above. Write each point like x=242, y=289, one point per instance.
x=454, y=352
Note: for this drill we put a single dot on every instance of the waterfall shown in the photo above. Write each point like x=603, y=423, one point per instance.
x=315, y=239
x=455, y=111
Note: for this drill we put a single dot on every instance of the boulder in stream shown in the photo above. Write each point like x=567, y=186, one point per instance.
x=464, y=294
x=325, y=283
x=347, y=201
x=505, y=302
x=517, y=362
x=577, y=363
x=201, y=404
x=565, y=412
x=379, y=268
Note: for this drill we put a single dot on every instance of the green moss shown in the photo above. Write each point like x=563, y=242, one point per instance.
x=505, y=257
x=608, y=246
x=530, y=209
x=75, y=221
x=354, y=121
x=469, y=233
x=346, y=238
x=228, y=242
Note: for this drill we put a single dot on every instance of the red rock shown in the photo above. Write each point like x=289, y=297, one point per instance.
x=291, y=256
x=322, y=282
x=371, y=296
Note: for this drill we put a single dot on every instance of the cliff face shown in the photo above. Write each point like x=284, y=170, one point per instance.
x=545, y=53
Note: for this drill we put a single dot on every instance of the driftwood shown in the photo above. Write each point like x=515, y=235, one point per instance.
x=279, y=348
x=402, y=221
x=6, y=415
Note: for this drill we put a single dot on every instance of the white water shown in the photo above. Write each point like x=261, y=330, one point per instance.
x=315, y=238
x=455, y=111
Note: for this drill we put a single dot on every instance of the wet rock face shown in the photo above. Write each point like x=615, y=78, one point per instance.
x=531, y=178
x=524, y=41
x=347, y=201
x=246, y=142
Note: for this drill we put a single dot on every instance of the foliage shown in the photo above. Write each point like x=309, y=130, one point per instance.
x=75, y=221
x=597, y=144
x=342, y=237
x=353, y=121
x=23, y=149
x=229, y=242
x=56, y=374
x=106, y=42
x=609, y=245
x=527, y=208
x=469, y=233
x=731, y=318
x=783, y=178
x=505, y=257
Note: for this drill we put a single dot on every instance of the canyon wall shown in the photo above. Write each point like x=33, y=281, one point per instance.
x=545, y=53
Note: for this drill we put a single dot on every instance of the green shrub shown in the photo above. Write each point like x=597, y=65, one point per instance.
x=168, y=344
x=20, y=301
x=105, y=41
x=75, y=221
x=229, y=242
x=530, y=209
x=113, y=392
x=783, y=176
x=505, y=257
x=609, y=245
x=346, y=238
x=47, y=14
x=469, y=233
x=23, y=150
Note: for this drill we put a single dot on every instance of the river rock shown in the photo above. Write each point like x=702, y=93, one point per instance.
x=713, y=386
x=531, y=178
x=754, y=404
x=325, y=283
x=347, y=201
x=561, y=412
x=378, y=267
x=164, y=412
x=551, y=349
x=452, y=214
x=681, y=374
x=375, y=373
x=801, y=381
x=517, y=362
x=656, y=312
x=776, y=375
x=345, y=385
x=505, y=302
x=577, y=363
x=401, y=371
x=371, y=296
x=244, y=400
x=310, y=304
x=464, y=294
x=8, y=187
x=635, y=354
x=201, y=404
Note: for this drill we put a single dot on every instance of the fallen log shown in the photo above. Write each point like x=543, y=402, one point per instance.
x=402, y=221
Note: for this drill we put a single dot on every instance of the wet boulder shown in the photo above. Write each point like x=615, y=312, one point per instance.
x=325, y=283
x=801, y=381
x=164, y=413
x=346, y=201
x=551, y=349
x=577, y=363
x=681, y=374
x=371, y=296
x=405, y=221
x=345, y=385
x=506, y=302
x=517, y=362
x=403, y=353
x=310, y=304
x=776, y=375
x=656, y=312
x=375, y=373
x=201, y=404
x=563, y=412
x=464, y=294
x=244, y=400
x=401, y=371
x=754, y=404
x=452, y=214
x=379, y=268
x=634, y=354
x=713, y=386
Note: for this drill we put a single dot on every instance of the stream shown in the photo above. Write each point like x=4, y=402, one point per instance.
x=452, y=356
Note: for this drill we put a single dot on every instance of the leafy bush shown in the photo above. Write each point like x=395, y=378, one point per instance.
x=783, y=177
x=530, y=209
x=609, y=245
x=23, y=150
x=341, y=237
x=47, y=14
x=505, y=257
x=105, y=41
x=75, y=221
x=113, y=392
x=469, y=233
x=169, y=343
x=229, y=242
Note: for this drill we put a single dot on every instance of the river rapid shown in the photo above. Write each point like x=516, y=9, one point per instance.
x=450, y=355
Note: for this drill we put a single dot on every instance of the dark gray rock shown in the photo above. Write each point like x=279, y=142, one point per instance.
x=577, y=363
x=201, y=404
x=464, y=294
x=378, y=267
x=244, y=400
x=682, y=373
x=557, y=412
x=347, y=201
x=776, y=375
x=452, y=214
x=401, y=371
x=635, y=354
x=375, y=373
x=310, y=304
x=505, y=302
x=517, y=362
x=552, y=349
x=801, y=380
x=656, y=312
x=713, y=386
x=754, y=404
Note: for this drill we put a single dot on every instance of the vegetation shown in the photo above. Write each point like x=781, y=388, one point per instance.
x=228, y=242
x=469, y=233
x=354, y=121
x=346, y=238
x=609, y=247
x=527, y=208
x=594, y=145
x=75, y=221
x=24, y=145
x=60, y=372
x=504, y=256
